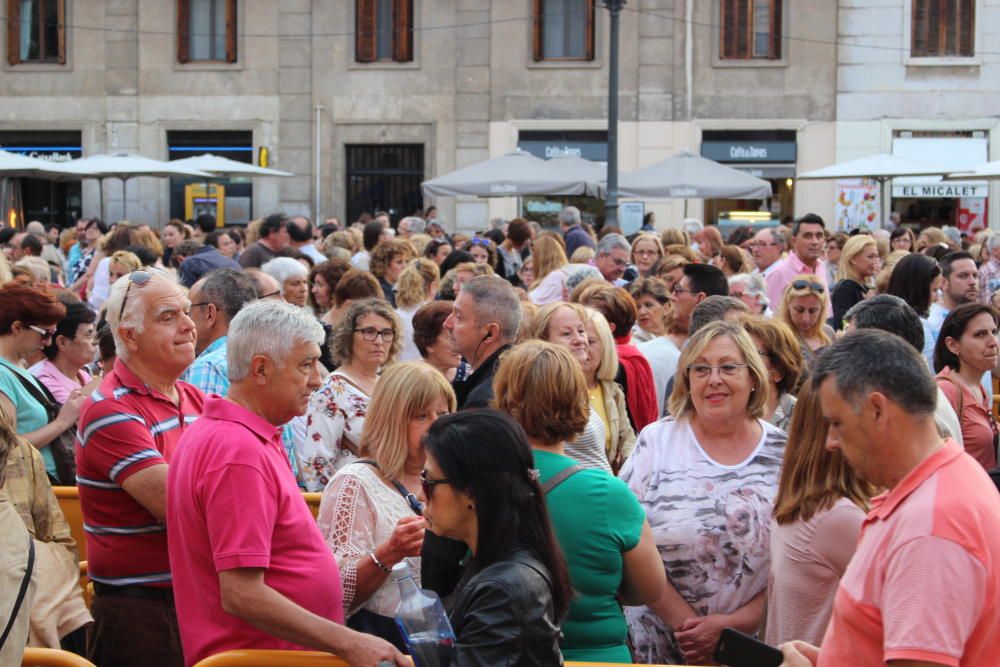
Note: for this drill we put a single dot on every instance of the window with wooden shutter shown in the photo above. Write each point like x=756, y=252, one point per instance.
x=750, y=29
x=563, y=30
x=943, y=28
x=36, y=31
x=206, y=31
x=383, y=31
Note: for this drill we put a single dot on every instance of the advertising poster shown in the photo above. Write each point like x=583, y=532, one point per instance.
x=857, y=205
x=971, y=214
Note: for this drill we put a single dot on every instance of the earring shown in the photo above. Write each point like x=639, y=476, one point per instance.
x=471, y=507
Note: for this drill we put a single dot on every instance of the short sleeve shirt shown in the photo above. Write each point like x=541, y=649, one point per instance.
x=31, y=415
x=594, y=629
x=124, y=428
x=925, y=577
x=233, y=503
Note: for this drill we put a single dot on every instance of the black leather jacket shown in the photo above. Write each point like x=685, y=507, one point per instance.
x=504, y=616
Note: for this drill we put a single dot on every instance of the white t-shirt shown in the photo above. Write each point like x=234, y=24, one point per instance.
x=662, y=355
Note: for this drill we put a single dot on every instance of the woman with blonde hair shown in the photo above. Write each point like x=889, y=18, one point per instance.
x=675, y=236
x=646, y=252
x=366, y=340
x=611, y=556
x=417, y=285
x=885, y=272
x=122, y=263
x=548, y=256
x=370, y=514
x=707, y=479
x=606, y=398
x=732, y=260
x=782, y=356
x=817, y=518
x=859, y=262
x=802, y=307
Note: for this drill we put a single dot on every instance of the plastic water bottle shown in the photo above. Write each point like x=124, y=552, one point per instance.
x=423, y=622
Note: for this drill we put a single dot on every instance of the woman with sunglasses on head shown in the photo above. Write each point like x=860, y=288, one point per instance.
x=802, y=308
x=859, y=262
x=370, y=514
x=364, y=341
x=611, y=556
x=28, y=319
x=481, y=488
x=706, y=480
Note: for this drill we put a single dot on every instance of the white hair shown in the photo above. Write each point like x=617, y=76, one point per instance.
x=270, y=328
x=283, y=268
x=992, y=241
x=611, y=241
x=754, y=285
x=38, y=267
x=692, y=225
x=570, y=216
x=413, y=224
x=134, y=315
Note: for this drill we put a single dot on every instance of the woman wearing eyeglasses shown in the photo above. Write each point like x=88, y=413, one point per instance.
x=859, y=262
x=482, y=489
x=802, y=308
x=706, y=480
x=782, y=357
x=370, y=514
x=611, y=556
x=646, y=252
x=73, y=346
x=28, y=318
x=365, y=340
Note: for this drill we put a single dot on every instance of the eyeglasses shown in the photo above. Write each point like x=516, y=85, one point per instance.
x=270, y=295
x=704, y=371
x=140, y=277
x=201, y=305
x=678, y=289
x=645, y=253
x=44, y=333
x=371, y=333
x=808, y=284
x=427, y=485
x=762, y=244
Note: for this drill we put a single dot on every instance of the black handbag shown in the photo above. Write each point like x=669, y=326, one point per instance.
x=63, y=446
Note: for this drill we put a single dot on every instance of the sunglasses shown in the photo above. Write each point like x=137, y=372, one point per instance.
x=427, y=485
x=486, y=243
x=44, y=333
x=140, y=277
x=808, y=284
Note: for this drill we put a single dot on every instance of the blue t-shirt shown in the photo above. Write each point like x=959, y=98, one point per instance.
x=31, y=415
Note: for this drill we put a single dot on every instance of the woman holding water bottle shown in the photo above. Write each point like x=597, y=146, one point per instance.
x=370, y=513
x=480, y=472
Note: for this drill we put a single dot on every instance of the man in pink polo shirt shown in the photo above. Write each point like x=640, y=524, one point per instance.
x=923, y=584
x=251, y=569
x=808, y=239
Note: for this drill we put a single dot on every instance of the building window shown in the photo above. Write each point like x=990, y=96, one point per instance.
x=942, y=28
x=384, y=177
x=36, y=31
x=383, y=31
x=564, y=30
x=206, y=31
x=750, y=30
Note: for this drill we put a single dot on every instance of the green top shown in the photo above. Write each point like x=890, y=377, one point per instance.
x=31, y=415
x=597, y=519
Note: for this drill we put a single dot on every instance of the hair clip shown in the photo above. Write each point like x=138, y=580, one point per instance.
x=533, y=474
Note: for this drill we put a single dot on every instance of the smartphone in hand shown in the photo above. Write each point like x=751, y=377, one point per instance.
x=737, y=649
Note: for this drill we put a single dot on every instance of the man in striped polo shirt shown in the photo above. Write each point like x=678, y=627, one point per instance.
x=127, y=431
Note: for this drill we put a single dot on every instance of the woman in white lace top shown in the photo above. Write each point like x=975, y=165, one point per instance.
x=370, y=511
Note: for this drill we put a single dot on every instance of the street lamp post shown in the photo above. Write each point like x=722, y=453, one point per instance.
x=611, y=202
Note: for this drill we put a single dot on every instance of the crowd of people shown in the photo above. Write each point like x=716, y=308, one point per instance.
x=593, y=447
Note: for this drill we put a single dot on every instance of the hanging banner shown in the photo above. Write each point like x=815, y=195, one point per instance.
x=857, y=205
x=971, y=214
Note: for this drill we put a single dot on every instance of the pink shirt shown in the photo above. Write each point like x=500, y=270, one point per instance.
x=925, y=577
x=975, y=417
x=232, y=502
x=784, y=272
x=57, y=383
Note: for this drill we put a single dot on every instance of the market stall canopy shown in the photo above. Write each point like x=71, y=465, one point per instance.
x=688, y=176
x=15, y=165
x=514, y=174
x=878, y=167
x=125, y=166
x=990, y=171
x=224, y=167
x=594, y=174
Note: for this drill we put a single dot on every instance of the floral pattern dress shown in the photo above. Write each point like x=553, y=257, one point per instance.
x=711, y=523
x=334, y=421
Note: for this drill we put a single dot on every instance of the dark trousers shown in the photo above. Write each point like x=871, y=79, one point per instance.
x=134, y=631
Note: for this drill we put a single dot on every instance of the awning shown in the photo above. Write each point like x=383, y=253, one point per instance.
x=950, y=153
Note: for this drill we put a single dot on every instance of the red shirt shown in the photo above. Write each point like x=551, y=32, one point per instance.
x=233, y=502
x=925, y=578
x=126, y=427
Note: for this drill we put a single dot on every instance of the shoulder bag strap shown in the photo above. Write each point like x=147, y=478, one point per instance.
x=560, y=477
x=22, y=591
x=412, y=500
x=40, y=393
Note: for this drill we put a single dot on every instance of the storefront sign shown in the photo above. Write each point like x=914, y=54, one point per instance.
x=749, y=151
x=940, y=191
x=546, y=144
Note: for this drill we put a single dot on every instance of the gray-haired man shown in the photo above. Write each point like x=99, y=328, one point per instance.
x=612, y=256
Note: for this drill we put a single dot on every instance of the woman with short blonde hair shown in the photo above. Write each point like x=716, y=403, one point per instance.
x=803, y=309
x=370, y=515
x=782, y=356
x=417, y=285
x=859, y=263
x=548, y=255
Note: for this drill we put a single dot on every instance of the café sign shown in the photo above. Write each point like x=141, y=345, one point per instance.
x=749, y=151
x=940, y=191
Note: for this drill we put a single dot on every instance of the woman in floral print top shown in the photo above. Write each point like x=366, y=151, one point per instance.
x=366, y=340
